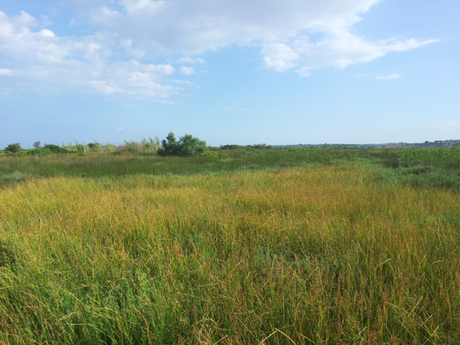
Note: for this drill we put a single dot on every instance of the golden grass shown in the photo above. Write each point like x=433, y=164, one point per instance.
x=320, y=256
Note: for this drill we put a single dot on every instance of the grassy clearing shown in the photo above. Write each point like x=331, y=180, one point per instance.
x=321, y=254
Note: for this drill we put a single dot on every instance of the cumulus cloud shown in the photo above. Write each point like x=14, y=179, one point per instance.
x=282, y=28
x=45, y=60
x=130, y=31
x=391, y=76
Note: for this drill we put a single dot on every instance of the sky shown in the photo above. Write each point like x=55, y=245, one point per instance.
x=229, y=71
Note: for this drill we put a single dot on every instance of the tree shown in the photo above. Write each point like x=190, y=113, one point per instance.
x=191, y=146
x=55, y=148
x=13, y=148
x=37, y=144
x=186, y=146
x=170, y=145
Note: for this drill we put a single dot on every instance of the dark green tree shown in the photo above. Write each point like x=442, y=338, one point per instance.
x=13, y=148
x=55, y=148
x=170, y=145
x=186, y=146
x=191, y=146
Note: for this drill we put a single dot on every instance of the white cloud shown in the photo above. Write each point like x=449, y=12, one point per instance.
x=181, y=82
x=303, y=71
x=47, y=62
x=133, y=78
x=6, y=71
x=155, y=30
x=337, y=50
x=281, y=27
x=47, y=33
x=280, y=57
x=190, y=60
x=105, y=87
x=127, y=45
x=187, y=70
x=391, y=76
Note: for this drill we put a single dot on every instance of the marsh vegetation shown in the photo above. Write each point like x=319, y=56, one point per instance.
x=246, y=246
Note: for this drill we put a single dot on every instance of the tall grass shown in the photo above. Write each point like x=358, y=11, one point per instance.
x=85, y=148
x=447, y=158
x=95, y=164
x=325, y=255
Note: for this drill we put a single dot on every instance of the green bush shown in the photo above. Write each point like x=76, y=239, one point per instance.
x=94, y=147
x=39, y=152
x=213, y=154
x=55, y=149
x=13, y=148
x=150, y=145
x=191, y=146
x=132, y=146
x=186, y=146
x=231, y=147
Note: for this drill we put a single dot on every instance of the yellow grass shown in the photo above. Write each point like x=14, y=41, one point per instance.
x=320, y=256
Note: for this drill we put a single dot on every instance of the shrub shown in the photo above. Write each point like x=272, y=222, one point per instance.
x=37, y=144
x=260, y=146
x=39, y=152
x=150, y=145
x=186, y=146
x=55, y=149
x=132, y=146
x=191, y=146
x=231, y=147
x=170, y=145
x=95, y=147
x=213, y=154
x=13, y=148
x=108, y=147
x=79, y=148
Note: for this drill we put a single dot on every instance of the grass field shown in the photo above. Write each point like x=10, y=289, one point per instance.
x=302, y=246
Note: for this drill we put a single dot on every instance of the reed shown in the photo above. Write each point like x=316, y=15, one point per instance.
x=320, y=254
x=448, y=158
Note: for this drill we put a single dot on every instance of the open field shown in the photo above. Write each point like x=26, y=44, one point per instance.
x=297, y=246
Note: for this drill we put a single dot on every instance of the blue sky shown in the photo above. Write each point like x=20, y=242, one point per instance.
x=229, y=71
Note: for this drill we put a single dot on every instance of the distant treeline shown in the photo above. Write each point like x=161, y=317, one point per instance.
x=436, y=143
x=189, y=145
x=185, y=146
x=240, y=147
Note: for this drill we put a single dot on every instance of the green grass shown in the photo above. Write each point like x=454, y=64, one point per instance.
x=122, y=164
x=119, y=165
x=249, y=247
